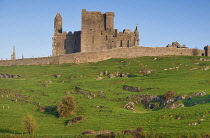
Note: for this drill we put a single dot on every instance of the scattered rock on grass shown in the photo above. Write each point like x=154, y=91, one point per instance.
x=198, y=94
x=101, y=92
x=194, y=123
x=98, y=106
x=57, y=75
x=105, y=132
x=9, y=76
x=131, y=88
x=99, y=78
x=204, y=59
x=89, y=132
x=205, y=68
x=120, y=93
x=176, y=105
x=101, y=74
x=129, y=106
x=75, y=120
x=111, y=76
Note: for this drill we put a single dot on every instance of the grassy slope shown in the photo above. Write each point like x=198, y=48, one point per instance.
x=112, y=117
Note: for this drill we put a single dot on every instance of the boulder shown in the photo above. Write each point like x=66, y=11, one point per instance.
x=198, y=94
x=105, y=72
x=75, y=120
x=129, y=106
x=9, y=76
x=99, y=78
x=145, y=99
x=194, y=123
x=205, y=68
x=101, y=74
x=101, y=92
x=176, y=105
x=89, y=132
x=117, y=74
x=105, y=132
x=127, y=132
x=111, y=76
x=57, y=75
x=132, y=89
x=152, y=105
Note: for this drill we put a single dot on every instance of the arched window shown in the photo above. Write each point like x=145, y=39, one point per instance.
x=121, y=43
x=128, y=43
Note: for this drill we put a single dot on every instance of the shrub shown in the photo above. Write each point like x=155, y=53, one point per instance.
x=66, y=107
x=169, y=95
x=195, y=52
x=30, y=123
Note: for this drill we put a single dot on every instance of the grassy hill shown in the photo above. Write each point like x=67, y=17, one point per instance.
x=38, y=88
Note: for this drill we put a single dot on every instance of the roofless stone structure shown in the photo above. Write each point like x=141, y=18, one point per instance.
x=97, y=34
x=98, y=41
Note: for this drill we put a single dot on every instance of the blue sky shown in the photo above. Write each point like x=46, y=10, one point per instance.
x=28, y=24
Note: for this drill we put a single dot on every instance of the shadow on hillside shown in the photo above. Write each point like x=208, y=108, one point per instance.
x=197, y=100
x=50, y=110
x=8, y=131
x=132, y=76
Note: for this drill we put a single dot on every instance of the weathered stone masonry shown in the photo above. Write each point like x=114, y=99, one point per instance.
x=97, y=34
x=86, y=57
x=99, y=41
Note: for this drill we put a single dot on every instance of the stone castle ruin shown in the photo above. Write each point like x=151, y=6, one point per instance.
x=98, y=41
x=176, y=45
x=97, y=34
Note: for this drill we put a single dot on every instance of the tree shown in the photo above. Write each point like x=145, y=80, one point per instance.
x=169, y=95
x=66, y=107
x=30, y=123
x=195, y=52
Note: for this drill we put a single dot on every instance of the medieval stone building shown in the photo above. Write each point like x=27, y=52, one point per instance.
x=176, y=45
x=97, y=34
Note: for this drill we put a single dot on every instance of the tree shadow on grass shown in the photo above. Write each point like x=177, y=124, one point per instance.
x=196, y=100
x=66, y=122
x=50, y=110
x=6, y=130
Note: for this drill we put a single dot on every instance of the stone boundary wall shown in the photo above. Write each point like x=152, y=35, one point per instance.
x=132, y=52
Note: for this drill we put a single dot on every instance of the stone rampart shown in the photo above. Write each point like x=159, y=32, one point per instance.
x=132, y=52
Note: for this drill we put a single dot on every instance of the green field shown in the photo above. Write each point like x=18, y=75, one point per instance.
x=38, y=86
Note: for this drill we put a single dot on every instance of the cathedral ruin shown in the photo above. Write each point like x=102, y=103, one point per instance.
x=97, y=34
x=99, y=41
